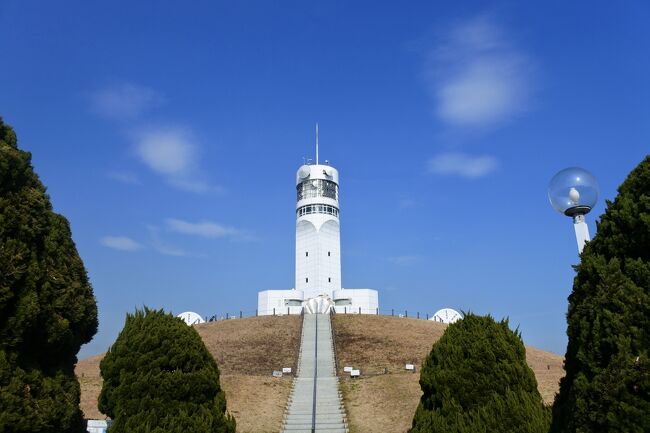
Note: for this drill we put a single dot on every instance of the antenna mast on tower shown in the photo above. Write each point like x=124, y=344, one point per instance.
x=316, y=143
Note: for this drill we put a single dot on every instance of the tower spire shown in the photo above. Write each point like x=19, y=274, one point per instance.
x=316, y=143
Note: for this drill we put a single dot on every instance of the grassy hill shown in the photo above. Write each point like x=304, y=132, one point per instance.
x=385, y=397
x=382, y=400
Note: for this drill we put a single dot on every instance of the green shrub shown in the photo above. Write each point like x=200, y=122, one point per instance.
x=476, y=380
x=160, y=378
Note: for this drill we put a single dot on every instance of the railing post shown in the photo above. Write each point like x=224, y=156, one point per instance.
x=418, y=314
x=427, y=316
x=240, y=314
x=274, y=311
x=406, y=313
x=392, y=312
x=256, y=312
x=377, y=311
x=227, y=316
x=288, y=311
x=359, y=310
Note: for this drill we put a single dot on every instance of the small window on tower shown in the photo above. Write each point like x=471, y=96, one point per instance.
x=329, y=254
x=306, y=253
x=329, y=280
x=306, y=280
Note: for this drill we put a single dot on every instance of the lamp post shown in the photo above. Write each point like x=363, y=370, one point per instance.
x=574, y=192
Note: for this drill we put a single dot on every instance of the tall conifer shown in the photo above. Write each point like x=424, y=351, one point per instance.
x=47, y=307
x=607, y=382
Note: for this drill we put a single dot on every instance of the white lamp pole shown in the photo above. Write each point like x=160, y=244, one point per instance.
x=582, y=231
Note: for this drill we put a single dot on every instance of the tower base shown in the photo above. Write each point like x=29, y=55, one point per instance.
x=350, y=301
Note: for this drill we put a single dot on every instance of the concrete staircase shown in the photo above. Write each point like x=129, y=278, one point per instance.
x=315, y=403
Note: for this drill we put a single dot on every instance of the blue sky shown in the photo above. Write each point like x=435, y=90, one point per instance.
x=169, y=134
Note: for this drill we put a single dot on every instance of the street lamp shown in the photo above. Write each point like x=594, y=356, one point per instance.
x=574, y=192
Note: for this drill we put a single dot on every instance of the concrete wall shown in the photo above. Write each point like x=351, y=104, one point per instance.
x=351, y=300
x=279, y=300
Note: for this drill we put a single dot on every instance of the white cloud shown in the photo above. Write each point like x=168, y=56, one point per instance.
x=173, y=153
x=124, y=101
x=168, y=151
x=204, y=229
x=477, y=77
x=121, y=243
x=464, y=165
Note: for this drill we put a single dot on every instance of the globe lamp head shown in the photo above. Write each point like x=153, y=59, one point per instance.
x=573, y=191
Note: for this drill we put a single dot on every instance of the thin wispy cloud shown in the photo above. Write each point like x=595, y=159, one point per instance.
x=170, y=151
x=477, y=76
x=464, y=165
x=407, y=203
x=170, y=250
x=120, y=243
x=205, y=229
x=173, y=153
x=161, y=246
x=124, y=177
x=124, y=101
x=194, y=185
x=406, y=260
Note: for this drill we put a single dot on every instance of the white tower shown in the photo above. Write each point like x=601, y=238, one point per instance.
x=318, y=252
x=318, y=244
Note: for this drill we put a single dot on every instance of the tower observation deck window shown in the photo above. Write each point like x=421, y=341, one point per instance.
x=317, y=208
x=317, y=188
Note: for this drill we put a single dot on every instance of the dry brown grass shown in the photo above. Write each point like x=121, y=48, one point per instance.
x=247, y=351
x=253, y=346
x=87, y=371
x=380, y=402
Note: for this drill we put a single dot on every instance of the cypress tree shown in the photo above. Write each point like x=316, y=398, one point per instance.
x=47, y=307
x=160, y=378
x=607, y=382
x=476, y=380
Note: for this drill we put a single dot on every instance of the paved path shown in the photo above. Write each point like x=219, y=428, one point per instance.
x=315, y=403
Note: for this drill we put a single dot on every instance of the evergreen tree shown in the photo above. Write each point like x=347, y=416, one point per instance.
x=160, y=378
x=607, y=382
x=47, y=307
x=476, y=380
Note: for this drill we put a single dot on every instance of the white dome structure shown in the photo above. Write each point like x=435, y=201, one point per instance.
x=191, y=318
x=446, y=315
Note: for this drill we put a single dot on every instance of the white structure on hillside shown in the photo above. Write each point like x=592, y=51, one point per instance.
x=98, y=425
x=318, y=250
